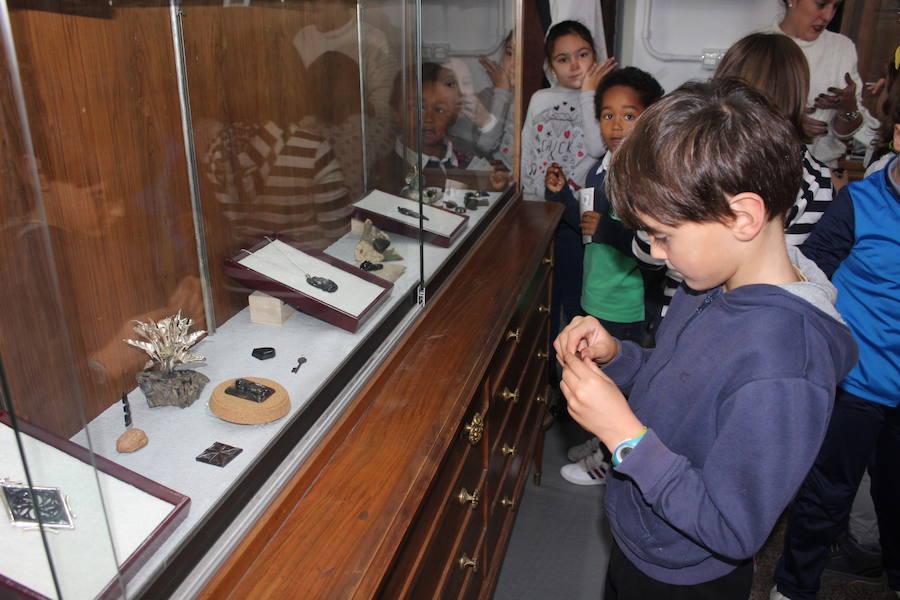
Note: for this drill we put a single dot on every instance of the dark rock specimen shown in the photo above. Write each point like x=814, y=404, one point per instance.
x=370, y=266
x=411, y=213
x=323, y=283
x=177, y=388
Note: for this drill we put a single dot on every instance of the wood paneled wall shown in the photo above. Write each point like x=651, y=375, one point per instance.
x=103, y=109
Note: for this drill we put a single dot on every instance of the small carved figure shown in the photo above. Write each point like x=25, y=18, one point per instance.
x=249, y=390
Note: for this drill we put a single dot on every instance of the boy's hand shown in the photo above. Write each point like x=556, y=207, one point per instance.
x=596, y=73
x=841, y=99
x=587, y=338
x=589, y=221
x=554, y=180
x=594, y=400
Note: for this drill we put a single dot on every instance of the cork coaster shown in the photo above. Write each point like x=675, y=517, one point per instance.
x=246, y=412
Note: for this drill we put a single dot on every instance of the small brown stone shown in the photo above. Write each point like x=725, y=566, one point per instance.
x=131, y=440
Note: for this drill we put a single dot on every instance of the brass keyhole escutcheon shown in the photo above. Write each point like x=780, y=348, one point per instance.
x=468, y=563
x=508, y=450
x=475, y=429
x=508, y=395
x=465, y=497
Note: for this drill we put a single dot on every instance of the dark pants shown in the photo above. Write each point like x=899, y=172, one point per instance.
x=860, y=434
x=567, y=275
x=625, y=331
x=624, y=581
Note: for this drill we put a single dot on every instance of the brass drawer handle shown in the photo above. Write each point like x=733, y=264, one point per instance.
x=507, y=502
x=514, y=335
x=540, y=399
x=464, y=496
x=542, y=308
x=468, y=563
x=508, y=395
x=547, y=261
x=541, y=355
x=508, y=450
x=475, y=429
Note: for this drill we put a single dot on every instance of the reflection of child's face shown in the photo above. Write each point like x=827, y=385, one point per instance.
x=620, y=108
x=509, y=57
x=437, y=116
x=570, y=60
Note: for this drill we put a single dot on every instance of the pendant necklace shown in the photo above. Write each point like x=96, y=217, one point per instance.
x=322, y=283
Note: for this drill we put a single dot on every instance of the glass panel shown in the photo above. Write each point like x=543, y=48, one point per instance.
x=54, y=531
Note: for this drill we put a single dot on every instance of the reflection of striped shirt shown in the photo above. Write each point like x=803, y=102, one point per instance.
x=813, y=198
x=270, y=179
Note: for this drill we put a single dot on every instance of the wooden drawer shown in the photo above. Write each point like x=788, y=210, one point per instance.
x=443, y=513
x=520, y=328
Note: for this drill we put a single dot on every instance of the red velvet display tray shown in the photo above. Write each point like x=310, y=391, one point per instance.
x=180, y=506
x=389, y=223
x=299, y=300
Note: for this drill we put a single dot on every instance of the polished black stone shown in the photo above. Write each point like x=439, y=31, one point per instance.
x=380, y=244
x=323, y=283
x=263, y=353
x=219, y=454
x=471, y=201
x=411, y=213
x=249, y=390
x=370, y=266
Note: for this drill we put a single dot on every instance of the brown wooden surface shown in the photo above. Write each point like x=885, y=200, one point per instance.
x=335, y=528
x=102, y=103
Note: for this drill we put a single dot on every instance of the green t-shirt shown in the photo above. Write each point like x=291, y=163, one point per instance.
x=613, y=288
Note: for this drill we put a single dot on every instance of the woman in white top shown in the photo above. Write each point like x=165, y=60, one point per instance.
x=835, y=87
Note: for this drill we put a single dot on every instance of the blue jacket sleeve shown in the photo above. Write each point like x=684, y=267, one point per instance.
x=730, y=503
x=572, y=211
x=834, y=235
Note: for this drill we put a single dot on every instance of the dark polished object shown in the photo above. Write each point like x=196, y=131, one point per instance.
x=263, y=353
x=48, y=506
x=323, y=283
x=300, y=362
x=126, y=408
x=380, y=244
x=411, y=213
x=249, y=390
x=451, y=204
x=219, y=454
x=460, y=210
x=370, y=266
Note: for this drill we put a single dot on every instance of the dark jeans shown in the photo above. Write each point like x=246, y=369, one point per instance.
x=625, y=331
x=860, y=434
x=566, y=289
x=624, y=581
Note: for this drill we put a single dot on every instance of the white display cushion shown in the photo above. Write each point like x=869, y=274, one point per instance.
x=87, y=558
x=282, y=263
x=440, y=222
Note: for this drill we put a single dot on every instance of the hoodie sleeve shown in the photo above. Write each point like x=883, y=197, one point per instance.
x=623, y=369
x=572, y=213
x=769, y=434
x=833, y=238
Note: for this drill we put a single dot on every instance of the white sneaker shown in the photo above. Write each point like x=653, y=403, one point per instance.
x=590, y=470
x=576, y=453
x=776, y=595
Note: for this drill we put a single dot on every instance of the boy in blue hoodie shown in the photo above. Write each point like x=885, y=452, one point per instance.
x=725, y=415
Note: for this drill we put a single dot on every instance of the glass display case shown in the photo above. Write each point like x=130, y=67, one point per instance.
x=294, y=178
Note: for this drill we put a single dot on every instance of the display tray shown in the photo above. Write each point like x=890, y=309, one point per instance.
x=135, y=517
x=440, y=227
x=280, y=267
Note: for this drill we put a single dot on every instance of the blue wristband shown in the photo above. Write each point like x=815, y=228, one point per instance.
x=625, y=447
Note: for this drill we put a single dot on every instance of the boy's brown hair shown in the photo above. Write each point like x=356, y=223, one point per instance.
x=775, y=65
x=697, y=147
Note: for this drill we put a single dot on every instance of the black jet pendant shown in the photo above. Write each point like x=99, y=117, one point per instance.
x=411, y=213
x=323, y=283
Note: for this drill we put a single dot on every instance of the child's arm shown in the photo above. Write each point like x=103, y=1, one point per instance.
x=833, y=238
x=556, y=190
x=764, y=448
x=596, y=403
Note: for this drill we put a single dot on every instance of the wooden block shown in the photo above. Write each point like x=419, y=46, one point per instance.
x=268, y=310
